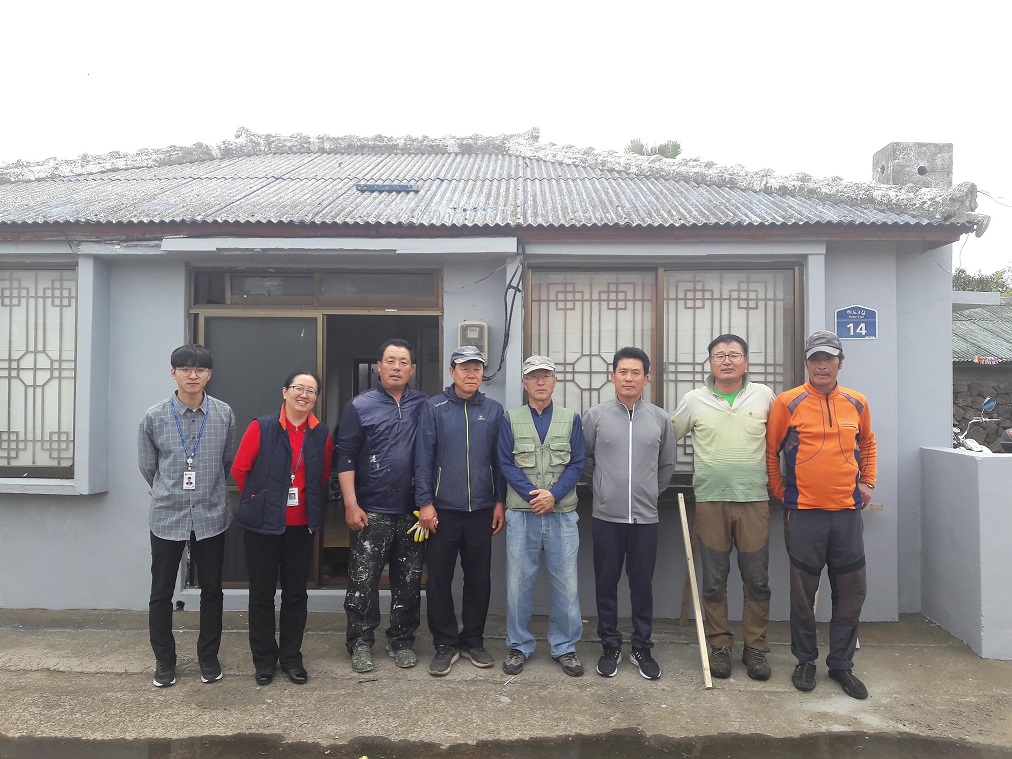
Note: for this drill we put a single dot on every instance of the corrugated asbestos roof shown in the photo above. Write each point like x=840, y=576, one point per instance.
x=489, y=185
x=982, y=335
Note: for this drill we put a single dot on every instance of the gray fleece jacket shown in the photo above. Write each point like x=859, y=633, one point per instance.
x=630, y=459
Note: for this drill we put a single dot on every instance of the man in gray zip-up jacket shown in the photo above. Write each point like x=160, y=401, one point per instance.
x=630, y=457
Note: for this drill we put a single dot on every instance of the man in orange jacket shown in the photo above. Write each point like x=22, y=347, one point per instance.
x=824, y=433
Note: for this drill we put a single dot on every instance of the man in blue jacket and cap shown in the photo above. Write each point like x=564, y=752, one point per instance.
x=460, y=493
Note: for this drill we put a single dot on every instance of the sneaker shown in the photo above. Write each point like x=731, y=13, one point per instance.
x=571, y=664
x=443, y=661
x=210, y=669
x=851, y=685
x=804, y=676
x=755, y=660
x=649, y=668
x=607, y=665
x=720, y=662
x=165, y=675
x=513, y=664
x=403, y=657
x=361, y=658
x=478, y=656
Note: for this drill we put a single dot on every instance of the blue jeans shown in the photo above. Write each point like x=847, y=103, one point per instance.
x=527, y=535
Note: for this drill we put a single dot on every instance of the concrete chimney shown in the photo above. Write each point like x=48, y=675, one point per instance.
x=923, y=164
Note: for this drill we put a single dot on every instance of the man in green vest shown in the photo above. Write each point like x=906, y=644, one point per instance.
x=541, y=453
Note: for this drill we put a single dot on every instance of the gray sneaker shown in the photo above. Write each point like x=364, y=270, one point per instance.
x=571, y=664
x=443, y=661
x=403, y=657
x=361, y=658
x=478, y=656
x=513, y=664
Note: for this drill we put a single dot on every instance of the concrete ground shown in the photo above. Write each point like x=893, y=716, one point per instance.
x=88, y=674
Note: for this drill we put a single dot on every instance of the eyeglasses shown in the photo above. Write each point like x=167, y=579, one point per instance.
x=539, y=378
x=303, y=390
x=198, y=371
x=735, y=358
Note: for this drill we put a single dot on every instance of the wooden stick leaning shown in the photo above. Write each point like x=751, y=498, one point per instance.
x=703, y=653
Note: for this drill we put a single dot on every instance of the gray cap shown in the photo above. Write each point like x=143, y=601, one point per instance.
x=822, y=341
x=537, y=362
x=464, y=354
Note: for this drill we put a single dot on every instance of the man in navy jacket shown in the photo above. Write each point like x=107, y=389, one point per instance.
x=460, y=493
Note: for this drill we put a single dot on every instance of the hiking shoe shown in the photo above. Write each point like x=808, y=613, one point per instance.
x=361, y=658
x=165, y=674
x=513, y=664
x=443, y=661
x=649, y=668
x=571, y=664
x=478, y=656
x=720, y=662
x=755, y=660
x=804, y=676
x=403, y=657
x=607, y=665
x=210, y=669
x=851, y=685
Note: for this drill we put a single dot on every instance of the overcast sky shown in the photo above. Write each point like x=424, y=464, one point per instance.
x=789, y=86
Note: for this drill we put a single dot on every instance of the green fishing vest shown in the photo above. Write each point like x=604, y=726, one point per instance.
x=543, y=463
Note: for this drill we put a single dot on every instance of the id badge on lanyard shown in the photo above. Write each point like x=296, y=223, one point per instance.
x=189, y=476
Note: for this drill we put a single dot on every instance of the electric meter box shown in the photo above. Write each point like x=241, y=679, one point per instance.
x=474, y=333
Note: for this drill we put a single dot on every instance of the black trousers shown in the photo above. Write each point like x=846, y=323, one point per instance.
x=289, y=556
x=635, y=546
x=385, y=539
x=469, y=536
x=208, y=554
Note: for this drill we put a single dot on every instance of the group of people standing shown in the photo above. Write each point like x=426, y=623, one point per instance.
x=437, y=478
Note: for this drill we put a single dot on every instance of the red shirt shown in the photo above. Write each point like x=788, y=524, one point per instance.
x=249, y=448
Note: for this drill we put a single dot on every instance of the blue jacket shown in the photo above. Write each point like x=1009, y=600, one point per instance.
x=376, y=440
x=264, y=500
x=456, y=464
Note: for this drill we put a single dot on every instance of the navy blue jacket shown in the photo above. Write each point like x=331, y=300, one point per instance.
x=376, y=440
x=264, y=500
x=456, y=461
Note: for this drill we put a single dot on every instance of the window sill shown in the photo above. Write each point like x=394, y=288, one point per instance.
x=40, y=486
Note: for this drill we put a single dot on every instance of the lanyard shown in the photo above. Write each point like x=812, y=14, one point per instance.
x=303, y=448
x=179, y=427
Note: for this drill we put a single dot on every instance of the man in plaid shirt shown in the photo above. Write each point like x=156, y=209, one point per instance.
x=185, y=448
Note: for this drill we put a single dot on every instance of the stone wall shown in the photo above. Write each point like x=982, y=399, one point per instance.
x=967, y=399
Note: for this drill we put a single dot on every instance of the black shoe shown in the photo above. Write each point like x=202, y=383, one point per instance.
x=851, y=685
x=210, y=669
x=607, y=665
x=297, y=674
x=478, y=656
x=443, y=661
x=264, y=676
x=804, y=676
x=165, y=674
x=649, y=668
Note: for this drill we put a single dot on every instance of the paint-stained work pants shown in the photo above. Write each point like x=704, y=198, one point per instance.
x=384, y=540
x=721, y=526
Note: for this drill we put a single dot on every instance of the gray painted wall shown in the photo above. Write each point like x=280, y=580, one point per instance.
x=965, y=528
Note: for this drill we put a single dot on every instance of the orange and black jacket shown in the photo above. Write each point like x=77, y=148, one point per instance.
x=827, y=444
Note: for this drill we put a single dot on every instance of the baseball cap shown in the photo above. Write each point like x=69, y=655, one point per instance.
x=466, y=353
x=822, y=341
x=537, y=362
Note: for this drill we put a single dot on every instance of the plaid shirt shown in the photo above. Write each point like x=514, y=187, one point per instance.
x=175, y=512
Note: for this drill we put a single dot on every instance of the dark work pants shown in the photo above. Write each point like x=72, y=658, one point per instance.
x=817, y=538
x=468, y=535
x=384, y=539
x=289, y=556
x=635, y=546
x=208, y=554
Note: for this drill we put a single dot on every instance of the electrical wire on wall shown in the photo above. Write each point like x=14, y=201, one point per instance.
x=513, y=289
